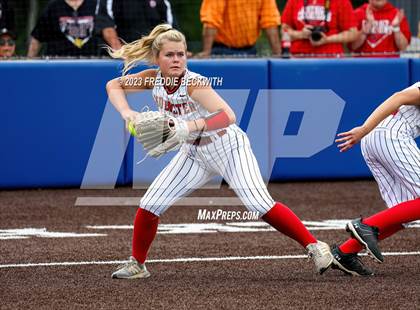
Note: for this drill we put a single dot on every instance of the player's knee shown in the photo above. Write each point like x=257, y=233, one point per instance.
x=151, y=206
x=256, y=209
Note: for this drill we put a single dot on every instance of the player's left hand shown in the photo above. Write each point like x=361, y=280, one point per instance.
x=349, y=138
x=181, y=128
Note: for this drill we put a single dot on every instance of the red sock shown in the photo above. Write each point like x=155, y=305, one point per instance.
x=400, y=214
x=388, y=222
x=145, y=228
x=353, y=246
x=285, y=221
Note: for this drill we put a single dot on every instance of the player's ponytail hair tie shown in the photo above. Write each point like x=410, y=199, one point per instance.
x=147, y=48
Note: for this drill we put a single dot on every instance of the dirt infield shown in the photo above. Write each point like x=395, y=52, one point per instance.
x=193, y=270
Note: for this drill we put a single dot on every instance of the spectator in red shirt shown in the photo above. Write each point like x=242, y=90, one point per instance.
x=319, y=27
x=383, y=30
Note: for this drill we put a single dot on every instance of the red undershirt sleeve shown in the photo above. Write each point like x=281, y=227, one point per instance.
x=217, y=120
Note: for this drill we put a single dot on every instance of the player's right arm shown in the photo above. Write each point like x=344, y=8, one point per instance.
x=221, y=115
x=118, y=87
x=409, y=96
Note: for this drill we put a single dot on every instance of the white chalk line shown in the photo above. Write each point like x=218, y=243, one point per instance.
x=180, y=228
x=183, y=260
x=135, y=201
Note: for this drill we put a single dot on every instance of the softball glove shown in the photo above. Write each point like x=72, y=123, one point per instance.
x=159, y=133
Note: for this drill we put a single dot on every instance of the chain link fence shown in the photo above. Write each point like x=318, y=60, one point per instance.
x=187, y=16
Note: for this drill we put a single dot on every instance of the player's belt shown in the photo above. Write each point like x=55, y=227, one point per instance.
x=204, y=140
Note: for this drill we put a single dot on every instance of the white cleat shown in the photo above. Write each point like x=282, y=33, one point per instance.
x=131, y=270
x=320, y=252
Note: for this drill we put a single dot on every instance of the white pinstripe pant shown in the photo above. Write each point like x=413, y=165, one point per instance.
x=394, y=160
x=229, y=156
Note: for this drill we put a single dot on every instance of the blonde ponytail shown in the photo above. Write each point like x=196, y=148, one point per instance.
x=147, y=48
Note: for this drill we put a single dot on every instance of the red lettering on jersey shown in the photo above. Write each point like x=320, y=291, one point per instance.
x=180, y=108
x=175, y=108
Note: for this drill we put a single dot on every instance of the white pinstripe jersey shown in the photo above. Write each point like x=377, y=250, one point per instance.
x=406, y=121
x=178, y=102
x=228, y=155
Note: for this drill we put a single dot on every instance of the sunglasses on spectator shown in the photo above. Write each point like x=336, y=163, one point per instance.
x=9, y=42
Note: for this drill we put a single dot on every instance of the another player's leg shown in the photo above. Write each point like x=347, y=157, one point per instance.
x=377, y=159
x=349, y=263
x=399, y=158
x=397, y=183
x=346, y=255
x=396, y=168
x=367, y=236
x=182, y=175
x=383, y=224
x=238, y=166
x=352, y=245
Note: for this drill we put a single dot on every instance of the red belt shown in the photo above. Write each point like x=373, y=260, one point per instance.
x=204, y=140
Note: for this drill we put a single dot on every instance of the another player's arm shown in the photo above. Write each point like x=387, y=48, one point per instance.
x=118, y=87
x=409, y=96
x=222, y=115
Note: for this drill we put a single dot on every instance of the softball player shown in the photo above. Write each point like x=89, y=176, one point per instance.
x=388, y=146
x=215, y=146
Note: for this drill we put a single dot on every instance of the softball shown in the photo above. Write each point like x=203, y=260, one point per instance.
x=132, y=129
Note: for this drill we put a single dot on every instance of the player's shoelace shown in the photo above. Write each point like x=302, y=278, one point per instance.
x=357, y=260
x=131, y=266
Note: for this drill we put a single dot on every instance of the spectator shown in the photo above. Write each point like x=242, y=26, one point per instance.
x=132, y=19
x=383, y=30
x=319, y=27
x=68, y=29
x=7, y=16
x=233, y=26
x=7, y=43
x=414, y=46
